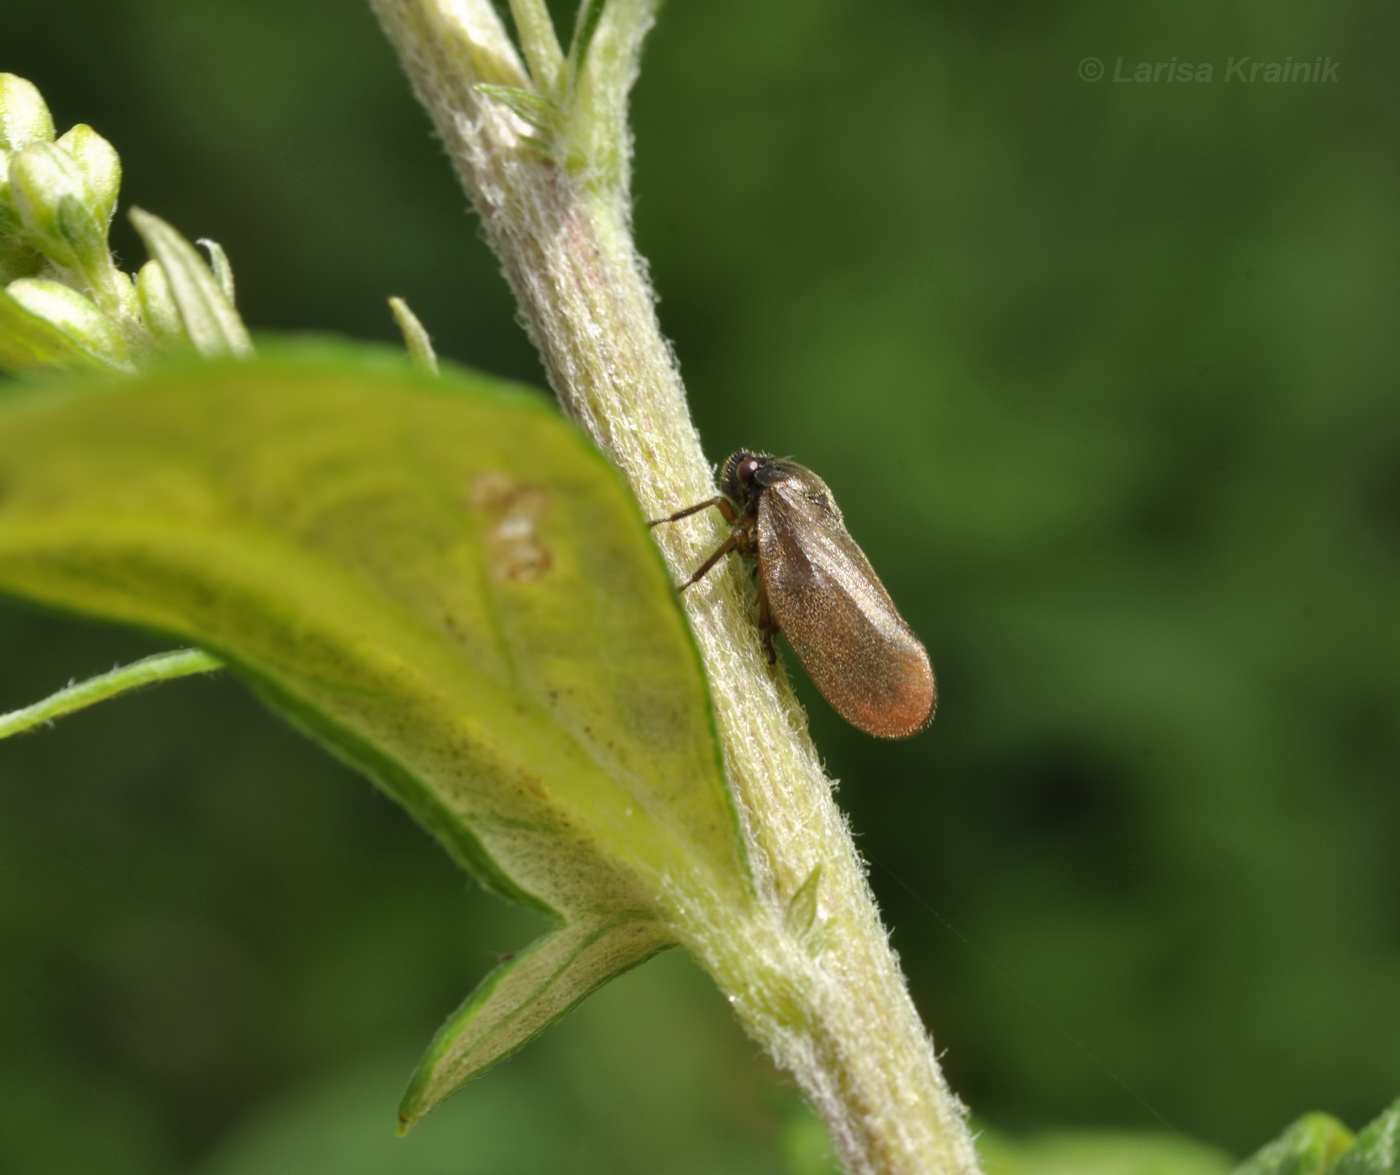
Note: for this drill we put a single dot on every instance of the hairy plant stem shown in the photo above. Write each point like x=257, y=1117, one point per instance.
x=148, y=671
x=815, y=983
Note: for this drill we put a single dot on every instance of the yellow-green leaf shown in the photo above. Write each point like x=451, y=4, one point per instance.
x=441, y=580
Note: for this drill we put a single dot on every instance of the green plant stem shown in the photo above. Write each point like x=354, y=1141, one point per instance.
x=161, y=667
x=837, y=1014
x=538, y=41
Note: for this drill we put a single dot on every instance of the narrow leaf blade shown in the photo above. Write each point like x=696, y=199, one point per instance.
x=523, y=996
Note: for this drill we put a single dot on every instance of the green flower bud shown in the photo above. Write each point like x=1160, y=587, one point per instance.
x=57, y=208
x=62, y=218
x=159, y=312
x=100, y=164
x=47, y=323
x=24, y=118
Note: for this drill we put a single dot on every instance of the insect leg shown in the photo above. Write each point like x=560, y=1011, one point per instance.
x=722, y=504
x=734, y=541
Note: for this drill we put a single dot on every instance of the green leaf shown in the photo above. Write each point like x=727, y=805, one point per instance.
x=1311, y=1146
x=1377, y=1148
x=534, y=108
x=522, y=997
x=441, y=580
x=1318, y=1144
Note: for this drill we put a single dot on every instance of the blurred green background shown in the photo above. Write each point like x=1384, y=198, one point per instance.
x=1105, y=378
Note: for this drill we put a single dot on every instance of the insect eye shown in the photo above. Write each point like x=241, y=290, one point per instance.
x=747, y=468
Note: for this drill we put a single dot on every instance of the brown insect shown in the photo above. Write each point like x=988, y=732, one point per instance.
x=817, y=588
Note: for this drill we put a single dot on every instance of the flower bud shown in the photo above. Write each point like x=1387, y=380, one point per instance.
x=159, y=312
x=24, y=118
x=62, y=218
x=101, y=167
x=45, y=322
x=56, y=206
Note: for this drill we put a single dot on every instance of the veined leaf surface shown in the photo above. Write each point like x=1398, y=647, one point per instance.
x=442, y=581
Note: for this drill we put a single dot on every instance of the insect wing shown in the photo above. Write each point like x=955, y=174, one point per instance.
x=837, y=616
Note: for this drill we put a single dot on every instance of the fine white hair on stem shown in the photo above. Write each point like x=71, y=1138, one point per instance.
x=552, y=192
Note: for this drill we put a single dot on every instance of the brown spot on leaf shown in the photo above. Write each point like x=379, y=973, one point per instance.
x=517, y=551
x=493, y=491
